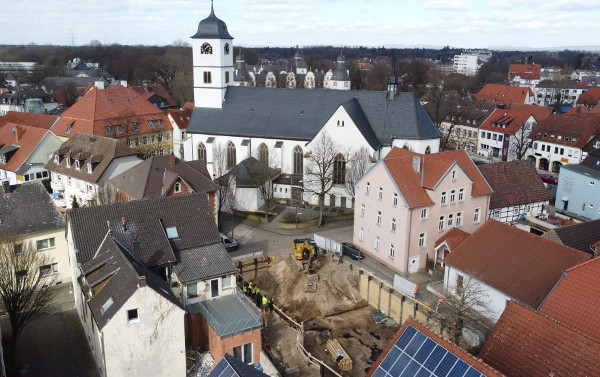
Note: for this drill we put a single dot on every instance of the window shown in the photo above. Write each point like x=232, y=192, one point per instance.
x=395, y=202
x=394, y=224
x=450, y=220
x=424, y=213
x=68, y=162
x=133, y=316
x=476, y=215
x=461, y=195
x=378, y=217
x=592, y=183
x=168, y=136
x=77, y=165
x=177, y=187
x=443, y=199
x=362, y=210
x=18, y=248
x=459, y=217
x=298, y=160
x=392, y=251
x=56, y=159
x=226, y=282
x=380, y=193
x=135, y=126
x=459, y=284
x=89, y=167
x=361, y=234
x=583, y=207
x=496, y=213
x=339, y=170
x=377, y=243
x=207, y=77
x=108, y=130
x=441, y=223
x=453, y=196
x=515, y=210
x=202, y=152
x=118, y=129
x=45, y=244
x=368, y=188
x=226, y=77
x=153, y=138
x=49, y=269
x=136, y=141
x=421, y=240
x=192, y=290
x=160, y=137
x=106, y=305
x=172, y=232
x=145, y=140
x=231, y=158
x=69, y=181
x=243, y=353
x=453, y=175
x=263, y=154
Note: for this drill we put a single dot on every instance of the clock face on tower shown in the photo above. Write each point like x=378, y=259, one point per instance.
x=206, y=48
x=226, y=48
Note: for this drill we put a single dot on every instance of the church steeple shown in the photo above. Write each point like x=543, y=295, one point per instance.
x=392, y=87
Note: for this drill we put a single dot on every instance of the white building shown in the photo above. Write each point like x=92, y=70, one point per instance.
x=465, y=64
x=237, y=122
x=505, y=134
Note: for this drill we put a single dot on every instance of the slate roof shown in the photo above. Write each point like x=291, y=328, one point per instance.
x=154, y=177
x=579, y=236
x=514, y=183
x=113, y=275
x=203, y=262
x=300, y=114
x=505, y=121
x=399, y=163
x=525, y=343
x=28, y=209
x=97, y=150
x=463, y=355
x=592, y=160
x=212, y=27
x=251, y=173
x=584, y=171
x=581, y=127
x=575, y=301
x=28, y=119
x=518, y=263
x=56, y=83
x=146, y=221
x=503, y=94
x=108, y=107
x=229, y=366
x=30, y=138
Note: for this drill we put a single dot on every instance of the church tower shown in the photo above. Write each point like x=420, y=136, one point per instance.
x=340, y=79
x=213, y=61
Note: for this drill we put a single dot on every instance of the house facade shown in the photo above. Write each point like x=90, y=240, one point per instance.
x=84, y=163
x=547, y=95
x=505, y=134
x=408, y=200
x=578, y=189
x=528, y=75
x=461, y=125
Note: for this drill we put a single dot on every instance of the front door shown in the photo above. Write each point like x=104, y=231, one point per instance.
x=413, y=264
x=566, y=205
x=214, y=287
x=343, y=202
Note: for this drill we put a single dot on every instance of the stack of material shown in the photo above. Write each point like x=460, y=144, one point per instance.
x=339, y=355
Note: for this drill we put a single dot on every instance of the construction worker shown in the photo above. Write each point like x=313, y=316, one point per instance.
x=256, y=292
x=250, y=286
x=271, y=304
x=258, y=299
x=265, y=302
x=416, y=289
x=245, y=288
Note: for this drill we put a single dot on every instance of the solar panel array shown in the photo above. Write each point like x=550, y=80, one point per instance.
x=415, y=354
x=223, y=369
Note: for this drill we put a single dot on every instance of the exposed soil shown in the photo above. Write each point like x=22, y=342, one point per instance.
x=334, y=310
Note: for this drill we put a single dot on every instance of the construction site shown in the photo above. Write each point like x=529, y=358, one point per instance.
x=320, y=324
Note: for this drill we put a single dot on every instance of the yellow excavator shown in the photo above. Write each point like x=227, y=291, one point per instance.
x=305, y=250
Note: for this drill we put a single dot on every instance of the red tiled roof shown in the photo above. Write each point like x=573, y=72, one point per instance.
x=518, y=263
x=525, y=71
x=148, y=91
x=539, y=112
x=513, y=120
x=114, y=105
x=526, y=344
x=514, y=183
x=181, y=117
x=451, y=347
x=189, y=105
x=399, y=164
x=28, y=119
x=590, y=97
x=575, y=300
x=582, y=127
x=578, y=110
x=498, y=93
x=30, y=137
x=453, y=238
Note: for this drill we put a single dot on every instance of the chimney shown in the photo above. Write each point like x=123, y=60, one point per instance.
x=124, y=83
x=99, y=85
x=172, y=159
x=501, y=167
x=141, y=281
x=136, y=251
x=6, y=186
x=416, y=164
x=19, y=131
x=124, y=223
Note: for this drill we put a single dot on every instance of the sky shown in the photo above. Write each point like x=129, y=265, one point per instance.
x=391, y=23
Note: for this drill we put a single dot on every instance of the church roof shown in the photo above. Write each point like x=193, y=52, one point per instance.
x=212, y=28
x=300, y=114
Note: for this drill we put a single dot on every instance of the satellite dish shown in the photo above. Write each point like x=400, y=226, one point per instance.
x=201, y=286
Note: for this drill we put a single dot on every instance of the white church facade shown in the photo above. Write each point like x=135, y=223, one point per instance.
x=230, y=123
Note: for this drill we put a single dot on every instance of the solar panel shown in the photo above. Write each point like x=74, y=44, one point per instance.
x=223, y=369
x=415, y=354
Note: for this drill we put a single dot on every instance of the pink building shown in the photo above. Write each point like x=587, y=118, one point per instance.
x=407, y=201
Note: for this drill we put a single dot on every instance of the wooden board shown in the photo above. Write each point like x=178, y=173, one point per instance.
x=335, y=349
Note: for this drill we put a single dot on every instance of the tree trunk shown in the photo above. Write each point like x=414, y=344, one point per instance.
x=321, y=207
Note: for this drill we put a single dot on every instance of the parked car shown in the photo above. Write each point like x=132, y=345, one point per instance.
x=351, y=251
x=549, y=178
x=230, y=244
x=479, y=162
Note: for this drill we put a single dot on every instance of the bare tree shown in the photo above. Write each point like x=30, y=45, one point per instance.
x=219, y=160
x=520, y=142
x=468, y=304
x=319, y=177
x=231, y=197
x=26, y=281
x=360, y=161
x=107, y=194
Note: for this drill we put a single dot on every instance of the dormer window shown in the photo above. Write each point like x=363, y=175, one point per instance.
x=77, y=165
x=118, y=129
x=56, y=159
x=566, y=138
x=151, y=123
x=2, y=158
x=159, y=123
x=177, y=187
x=69, y=126
x=574, y=139
x=89, y=167
x=135, y=126
x=68, y=162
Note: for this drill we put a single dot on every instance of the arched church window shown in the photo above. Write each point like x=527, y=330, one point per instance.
x=263, y=154
x=226, y=48
x=202, y=152
x=339, y=170
x=206, y=48
x=231, y=160
x=428, y=150
x=298, y=160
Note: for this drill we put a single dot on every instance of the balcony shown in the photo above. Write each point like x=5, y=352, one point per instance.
x=88, y=195
x=57, y=186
